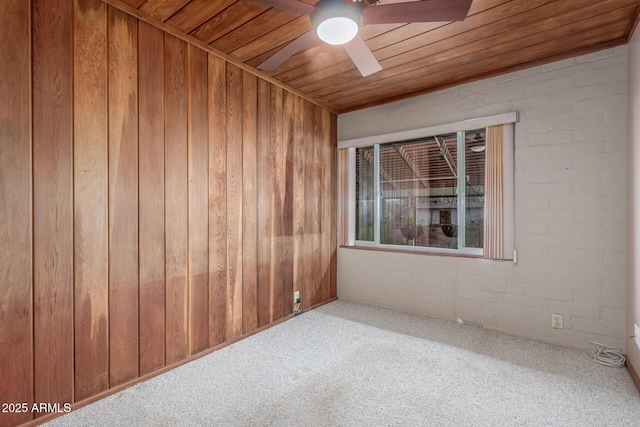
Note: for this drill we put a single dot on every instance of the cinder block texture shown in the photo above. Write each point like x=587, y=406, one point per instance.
x=570, y=182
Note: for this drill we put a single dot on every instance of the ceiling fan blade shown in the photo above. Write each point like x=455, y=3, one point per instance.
x=362, y=56
x=295, y=6
x=417, y=11
x=275, y=60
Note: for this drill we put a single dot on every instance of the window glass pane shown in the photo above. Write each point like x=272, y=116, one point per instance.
x=365, y=197
x=474, y=173
x=418, y=182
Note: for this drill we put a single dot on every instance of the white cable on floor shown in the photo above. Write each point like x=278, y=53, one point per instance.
x=606, y=355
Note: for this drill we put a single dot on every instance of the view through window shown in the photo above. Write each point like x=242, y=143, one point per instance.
x=427, y=192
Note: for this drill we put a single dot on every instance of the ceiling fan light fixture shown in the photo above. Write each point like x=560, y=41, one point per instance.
x=336, y=23
x=337, y=31
x=480, y=145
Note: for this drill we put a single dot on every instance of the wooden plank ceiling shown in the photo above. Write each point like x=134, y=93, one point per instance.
x=498, y=36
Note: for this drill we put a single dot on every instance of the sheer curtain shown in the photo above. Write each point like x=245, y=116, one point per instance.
x=494, y=209
x=343, y=197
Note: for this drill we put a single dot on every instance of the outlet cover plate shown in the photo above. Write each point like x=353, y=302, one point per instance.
x=296, y=296
x=556, y=321
x=636, y=333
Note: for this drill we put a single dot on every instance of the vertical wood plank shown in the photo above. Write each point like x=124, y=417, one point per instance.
x=91, y=194
x=99, y=195
x=217, y=97
x=198, y=152
x=326, y=229
x=334, y=191
x=316, y=214
x=249, y=202
x=151, y=205
x=123, y=197
x=309, y=259
x=288, y=254
x=299, y=158
x=265, y=196
x=176, y=176
x=234, y=201
x=53, y=200
x=16, y=315
x=277, y=207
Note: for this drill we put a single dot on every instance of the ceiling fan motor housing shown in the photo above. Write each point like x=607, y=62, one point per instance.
x=328, y=9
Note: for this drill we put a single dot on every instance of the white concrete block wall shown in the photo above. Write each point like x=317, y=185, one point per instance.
x=633, y=205
x=571, y=145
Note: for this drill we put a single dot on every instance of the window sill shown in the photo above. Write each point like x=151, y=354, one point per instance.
x=402, y=251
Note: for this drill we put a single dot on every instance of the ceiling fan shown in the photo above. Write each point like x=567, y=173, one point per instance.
x=337, y=22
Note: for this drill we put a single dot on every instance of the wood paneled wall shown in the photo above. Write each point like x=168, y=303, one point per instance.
x=155, y=201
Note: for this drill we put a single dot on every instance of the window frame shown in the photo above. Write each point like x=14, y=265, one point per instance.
x=377, y=140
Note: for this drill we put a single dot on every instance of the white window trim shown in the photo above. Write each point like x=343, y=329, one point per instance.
x=507, y=119
x=481, y=122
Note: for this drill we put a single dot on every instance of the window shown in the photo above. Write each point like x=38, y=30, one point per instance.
x=365, y=194
x=431, y=191
x=446, y=192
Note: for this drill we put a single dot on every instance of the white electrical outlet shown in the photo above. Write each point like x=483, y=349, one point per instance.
x=636, y=334
x=556, y=321
x=296, y=296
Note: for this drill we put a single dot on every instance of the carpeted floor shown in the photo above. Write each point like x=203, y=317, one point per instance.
x=348, y=364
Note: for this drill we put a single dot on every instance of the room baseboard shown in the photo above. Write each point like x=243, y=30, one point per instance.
x=145, y=377
x=77, y=405
x=634, y=374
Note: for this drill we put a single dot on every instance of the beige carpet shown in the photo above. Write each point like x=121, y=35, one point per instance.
x=348, y=364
